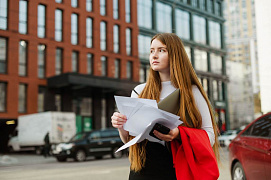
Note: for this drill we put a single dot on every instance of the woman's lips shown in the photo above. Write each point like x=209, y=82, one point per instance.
x=155, y=62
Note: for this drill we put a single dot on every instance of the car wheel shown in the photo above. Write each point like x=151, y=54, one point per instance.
x=116, y=155
x=80, y=155
x=238, y=172
x=61, y=159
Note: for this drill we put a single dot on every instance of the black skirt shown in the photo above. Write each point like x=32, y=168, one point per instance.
x=158, y=166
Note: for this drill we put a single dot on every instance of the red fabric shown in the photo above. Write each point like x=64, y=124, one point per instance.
x=194, y=159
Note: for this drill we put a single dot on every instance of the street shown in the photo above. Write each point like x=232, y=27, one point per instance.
x=35, y=167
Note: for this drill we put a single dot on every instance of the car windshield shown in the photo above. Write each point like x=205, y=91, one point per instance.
x=78, y=137
x=229, y=133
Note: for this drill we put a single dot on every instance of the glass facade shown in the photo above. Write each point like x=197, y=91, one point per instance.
x=200, y=60
x=23, y=16
x=41, y=60
x=74, y=29
x=58, y=61
x=58, y=25
x=202, y=5
x=41, y=20
x=103, y=66
x=23, y=58
x=214, y=34
x=163, y=17
x=89, y=32
x=199, y=29
x=3, y=55
x=216, y=63
x=144, y=47
x=75, y=61
x=144, y=13
x=116, y=39
x=116, y=9
x=128, y=41
x=3, y=14
x=182, y=24
x=89, y=63
x=89, y=5
x=117, y=68
x=103, y=36
x=103, y=7
x=3, y=96
x=22, y=98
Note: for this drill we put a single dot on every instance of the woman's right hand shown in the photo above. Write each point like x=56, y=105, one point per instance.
x=118, y=120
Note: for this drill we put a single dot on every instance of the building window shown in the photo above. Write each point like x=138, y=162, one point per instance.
x=182, y=24
x=41, y=20
x=22, y=98
x=117, y=68
x=128, y=41
x=89, y=32
x=200, y=60
x=163, y=17
x=215, y=90
x=144, y=71
x=216, y=63
x=143, y=47
x=74, y=3
x=103, y=7
x=220, y=91
x=214, y=34
x=41, y=60
x=75, y=61
x=41, y=95
x=3, y=96
x=218, y=8
x=58, y=63
x=58, y=1
x=194, y=3
x=103, y=66
x=3, y=14
x=199, y=29
x=205, y=85
x=3, y=55
x=23, y=16
x=116, y=38
x=74, y=29
x=89, y=63
x=103, y=35
x=188, y=52
x=129, y=70
x=58, y=25
x=22, y=58
x=202, y=4
x=144, y=15
x=89, y=5
x=128, y=11
x=116, y=9
x=210, y=6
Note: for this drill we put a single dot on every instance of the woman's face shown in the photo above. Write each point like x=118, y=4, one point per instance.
x=159, y=57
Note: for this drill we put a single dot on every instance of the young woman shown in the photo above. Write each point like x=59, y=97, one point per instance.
x=170, y=69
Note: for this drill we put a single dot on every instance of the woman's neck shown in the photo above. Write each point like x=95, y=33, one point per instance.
x=164, y=76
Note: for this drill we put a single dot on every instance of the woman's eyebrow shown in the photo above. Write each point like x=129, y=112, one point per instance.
x=159, y=48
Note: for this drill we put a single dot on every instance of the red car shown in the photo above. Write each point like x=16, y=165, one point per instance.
x=250, y=151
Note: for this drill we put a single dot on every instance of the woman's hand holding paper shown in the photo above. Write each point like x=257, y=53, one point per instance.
x=118, y=120
x=173, y=134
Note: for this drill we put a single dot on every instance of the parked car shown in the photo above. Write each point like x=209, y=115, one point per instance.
x=250, y=151
x=226, y=138
x=94, y=143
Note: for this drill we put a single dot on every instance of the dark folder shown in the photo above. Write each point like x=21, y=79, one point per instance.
x=171, y=103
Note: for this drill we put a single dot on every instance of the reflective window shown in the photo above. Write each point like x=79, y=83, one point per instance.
x=103, y=66
x=205, y=85
x=116, y=9
x=74, y=28
x=3, y=96
x=128, y=41
x=216, y=63
x=89, y=5
x=103, y=7
x=41, y=95
x=163, y=17
x=182, y=24
x=22, y=58
x=58, y=1
x=22, y=98
x=117, y=68
x=144, y=46
x=144, y=71
x=262, y=127
x=58, y=25
x=74, y=3
x=89, y=63
x=215, y=34
x=129, y=70
x=188, y=52
x=128, y=11
x=75, y=61
x=23, y=16
x=200, y=59
x=89, y=32
x=116, y=38
x=202, y=4
x=58, y=63
x=210, y=6
x=220, y=91
x=41, y=60
x=103, y=36
x=194, y=3
x=218, y=8
x=215, y=90
x=3, y=55
x=41, y=21
x=3, y=14
x=199, y=29
x=144, y=14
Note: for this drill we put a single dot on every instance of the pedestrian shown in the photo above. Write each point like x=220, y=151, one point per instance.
x=47, y=145
x=170, y=69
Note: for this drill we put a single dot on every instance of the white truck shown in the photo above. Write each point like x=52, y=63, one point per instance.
x=32, y=129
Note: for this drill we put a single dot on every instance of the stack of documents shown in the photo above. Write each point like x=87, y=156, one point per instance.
x=142, y=115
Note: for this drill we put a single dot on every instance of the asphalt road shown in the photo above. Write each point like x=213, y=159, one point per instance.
x=34, y=167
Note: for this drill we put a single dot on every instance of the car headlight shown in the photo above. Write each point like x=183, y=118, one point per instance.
x=67, y=146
